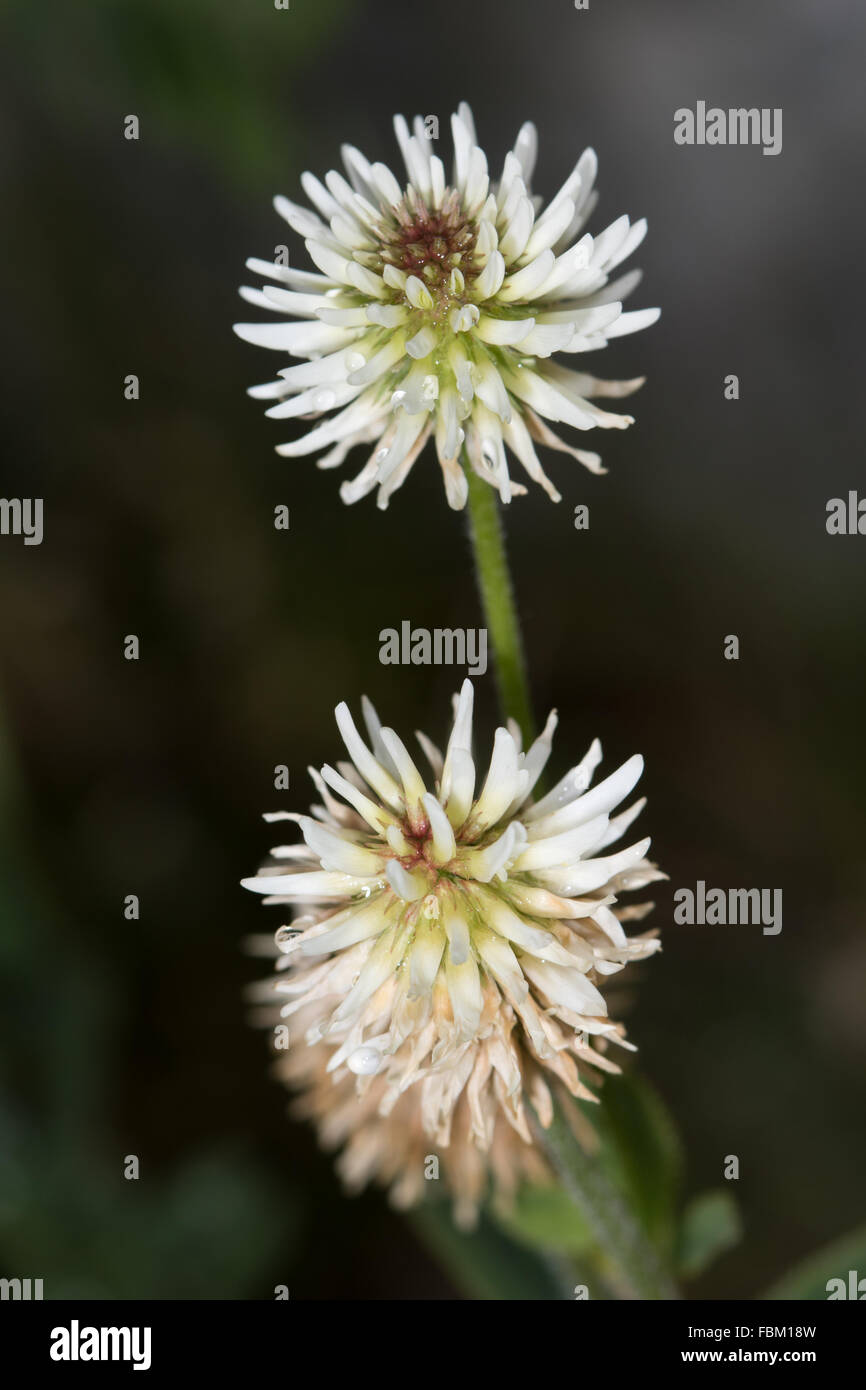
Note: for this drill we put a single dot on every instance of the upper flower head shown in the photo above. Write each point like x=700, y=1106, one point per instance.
x=453, y=941
x=438, y=310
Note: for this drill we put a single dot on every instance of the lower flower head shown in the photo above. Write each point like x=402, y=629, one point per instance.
x=452, y=943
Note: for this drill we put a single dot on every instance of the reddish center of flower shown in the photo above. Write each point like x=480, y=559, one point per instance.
x=430, y=243
x=421, y=842
x=420, y=856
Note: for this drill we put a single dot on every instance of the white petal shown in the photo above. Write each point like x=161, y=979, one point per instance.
x=467, y=999
x=358, y=924
x=490, y=389
x=568, y=988
x=330, y=258
x=502, y=784
x=459, y=789
x=301, y=220
x=315, y=885
x=298, y=279
x=355, y=418
x=562, y=849
x=513, y=242
x=526, y=149
x=630, y=244
x=633, y=322
x=409, y=887
x=590, y=874
x=379, y=965
x=573, y=784
x=314, y=401
x=372, y=771
x=502, y=332
x=372, y=814
x=602, y=798
x=386, y=185
x=339, y=854
x=549, y=227
x=488, y=283
x=381, y=362
x=608, y=242
x=461, y=732
x=619, y=824
x=425, y=954
x=507, y=923
x=523, y=284
x=493, y=860
x=518, y=439
x=502, y=963
x=534, y=761
x=300, y=339
x=413, y=782
x=457, y=931
x=444, y=844
x=334, y=367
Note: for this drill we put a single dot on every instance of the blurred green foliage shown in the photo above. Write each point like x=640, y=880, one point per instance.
x=204, y=71
x=811, y=1277
x=710, y=1226
x=211, y=1225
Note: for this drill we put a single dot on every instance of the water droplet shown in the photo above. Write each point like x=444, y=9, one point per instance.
x=324, y=400
x=364, y=1061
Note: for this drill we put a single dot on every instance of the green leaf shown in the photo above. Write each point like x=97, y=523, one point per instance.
x=484, y=1263
x=711, y=1225
x=642, y=1152
x=809, y=1279
x=546, y=1217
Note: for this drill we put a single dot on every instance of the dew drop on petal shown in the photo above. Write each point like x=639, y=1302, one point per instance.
x=355, y=361
x=324, y=400
x=364, y=1061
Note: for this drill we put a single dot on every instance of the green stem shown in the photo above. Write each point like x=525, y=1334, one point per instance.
x=631, y=1264
x=497, y=599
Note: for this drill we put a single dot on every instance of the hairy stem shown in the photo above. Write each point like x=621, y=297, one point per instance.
x=630, y=1263
x=497, y=599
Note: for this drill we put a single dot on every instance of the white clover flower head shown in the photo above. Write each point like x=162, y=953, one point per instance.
x=437, y=309
x=452, y=943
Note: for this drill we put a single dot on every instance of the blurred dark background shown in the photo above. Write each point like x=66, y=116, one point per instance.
x=124, y=1037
